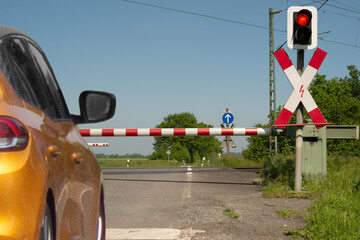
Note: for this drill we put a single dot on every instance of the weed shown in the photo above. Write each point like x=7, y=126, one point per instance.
x=286, y=213
x=299, y=233
x=231, y=213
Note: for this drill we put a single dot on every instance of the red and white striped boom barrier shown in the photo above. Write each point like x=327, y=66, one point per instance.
x=170, y=132
x=98, y=144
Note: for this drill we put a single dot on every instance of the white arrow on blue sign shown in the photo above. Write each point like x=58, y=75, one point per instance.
x=227, y=118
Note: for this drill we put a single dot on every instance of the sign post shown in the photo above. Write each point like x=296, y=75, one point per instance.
x=300, y=80
x=227, y=119
x=168, y=152
x=299, y=130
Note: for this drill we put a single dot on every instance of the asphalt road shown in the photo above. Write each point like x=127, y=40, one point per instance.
x=188, y=203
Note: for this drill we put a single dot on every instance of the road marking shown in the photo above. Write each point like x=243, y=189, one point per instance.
x=150, y=233
x=142, y=233
x=187, y=187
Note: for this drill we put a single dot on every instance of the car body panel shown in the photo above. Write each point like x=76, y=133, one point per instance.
x=56, y=168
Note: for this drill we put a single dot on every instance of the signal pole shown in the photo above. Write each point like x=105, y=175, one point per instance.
x=302, y=31
x=299, y=129
x=272, y=82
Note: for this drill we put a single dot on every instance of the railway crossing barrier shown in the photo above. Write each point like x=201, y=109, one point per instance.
x=314, y=149
x=98, y=144
x=170, y=132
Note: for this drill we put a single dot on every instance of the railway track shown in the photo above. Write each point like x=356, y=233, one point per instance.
x=254, y=169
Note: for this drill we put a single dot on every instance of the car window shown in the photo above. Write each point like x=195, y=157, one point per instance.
x=50, y=82
x=27, y=71
x=15, y=65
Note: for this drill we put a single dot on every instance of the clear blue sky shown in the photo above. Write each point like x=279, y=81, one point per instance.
x=158, y=62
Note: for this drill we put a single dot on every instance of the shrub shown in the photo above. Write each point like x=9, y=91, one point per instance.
x=279, y=169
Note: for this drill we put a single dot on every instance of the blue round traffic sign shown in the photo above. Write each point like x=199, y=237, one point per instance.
x=227, y=118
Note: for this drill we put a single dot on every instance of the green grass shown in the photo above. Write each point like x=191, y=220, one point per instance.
x=336, y=211
x=232, y=161
x=136, y=162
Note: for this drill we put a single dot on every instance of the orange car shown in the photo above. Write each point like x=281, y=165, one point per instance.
x=50, y=182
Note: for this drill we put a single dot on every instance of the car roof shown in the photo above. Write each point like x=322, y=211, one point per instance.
x=8, y=31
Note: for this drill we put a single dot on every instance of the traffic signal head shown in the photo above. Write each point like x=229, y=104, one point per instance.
x=302, y=27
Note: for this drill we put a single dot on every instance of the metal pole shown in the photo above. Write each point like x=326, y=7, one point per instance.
x=299, y=129
x=227, y=139
x=227, y=146
x=272, y=82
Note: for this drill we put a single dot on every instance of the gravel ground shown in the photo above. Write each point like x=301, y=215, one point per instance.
x=203, y=213
x=189, y=203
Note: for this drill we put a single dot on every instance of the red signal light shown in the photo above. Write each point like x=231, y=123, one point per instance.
x=302, y=19
x=302, y=27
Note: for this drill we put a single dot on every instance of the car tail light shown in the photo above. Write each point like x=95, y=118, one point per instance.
x=13, y=135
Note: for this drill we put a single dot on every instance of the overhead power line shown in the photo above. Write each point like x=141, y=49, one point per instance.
x=345, y=9
x=202, y=15
x=306, y=4
x=322, y=4
x=340, y=43
x=340, y=14
x=229, y=20
x=331, y=5
x=345, y=5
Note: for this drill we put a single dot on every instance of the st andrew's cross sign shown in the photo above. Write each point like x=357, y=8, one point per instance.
x=300, y=85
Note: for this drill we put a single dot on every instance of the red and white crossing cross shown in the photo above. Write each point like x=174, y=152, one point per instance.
x=300, y=85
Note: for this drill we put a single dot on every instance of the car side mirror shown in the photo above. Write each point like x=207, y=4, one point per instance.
x=95, y=107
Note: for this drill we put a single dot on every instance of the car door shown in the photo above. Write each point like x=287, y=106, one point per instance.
x=82, y=187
